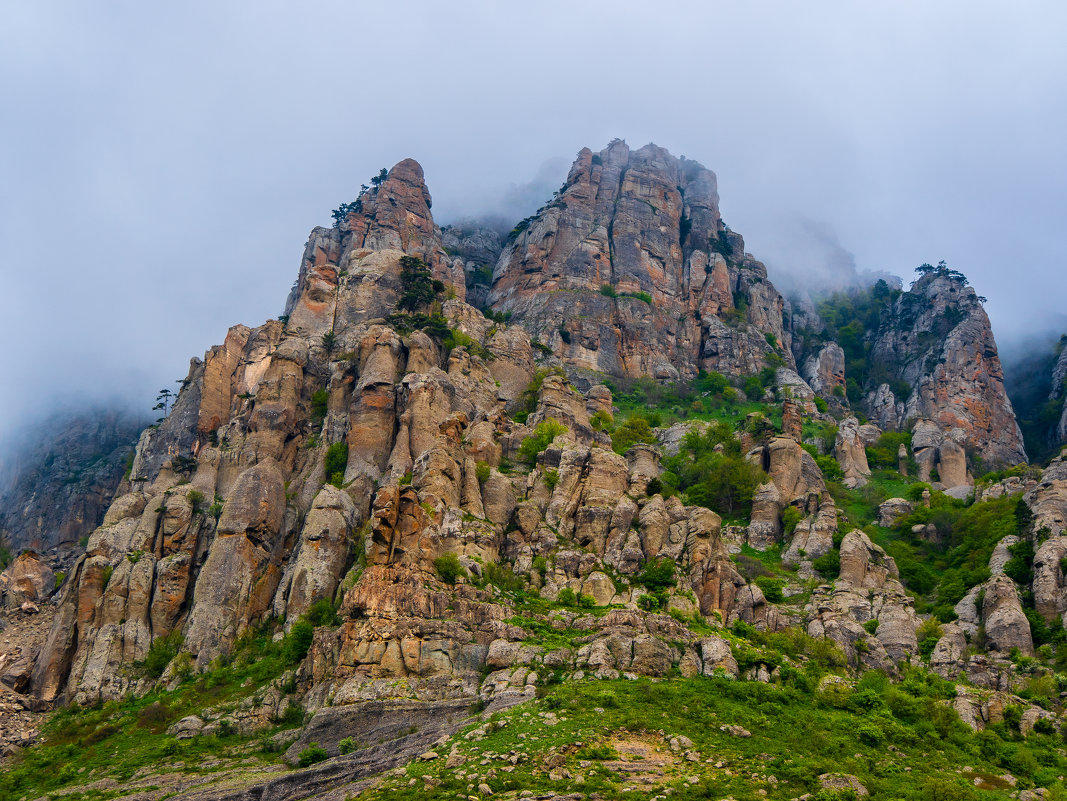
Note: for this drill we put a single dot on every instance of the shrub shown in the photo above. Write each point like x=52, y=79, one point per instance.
x=820, y=405
x=928, y=634
x=551, y=478
x=658, y=575
x=322, y=613
x=607, y=290
x=790, y=518
x=771, y=589
x=650, y=602
x=540, y=564
x=829, y=565
x=831, y=470
x=601, y=421
x=318, y=404
x=482, y=471
x=161, y=652
x=336, y=460
x=567, y=597
x=312, y=754
x=542, y=437
x=347, y=745
x=298, y=641
x=634, y=430
x=586, y=601
x=448, y=568
x=871, y=626
x=597, y=752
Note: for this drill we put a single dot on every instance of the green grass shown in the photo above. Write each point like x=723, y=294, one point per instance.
x=797, y=733
x=117, y=738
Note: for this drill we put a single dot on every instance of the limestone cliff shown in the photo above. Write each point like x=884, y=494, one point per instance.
x=629, y=270
x=938, y=339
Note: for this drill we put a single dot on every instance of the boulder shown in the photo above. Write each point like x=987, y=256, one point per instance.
x=851, y=453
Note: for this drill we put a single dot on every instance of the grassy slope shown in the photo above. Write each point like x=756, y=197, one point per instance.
x=900, y=740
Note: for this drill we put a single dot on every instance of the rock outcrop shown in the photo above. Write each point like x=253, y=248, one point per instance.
x=937, y=338
x=934, y=450
x=850, y=454
x=629, y=270
x=825, y=372
x=868, y=588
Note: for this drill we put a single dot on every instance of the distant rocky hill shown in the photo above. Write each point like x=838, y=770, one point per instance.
x=58, y=478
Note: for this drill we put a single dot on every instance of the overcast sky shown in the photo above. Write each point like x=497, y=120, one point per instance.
x=162, y=164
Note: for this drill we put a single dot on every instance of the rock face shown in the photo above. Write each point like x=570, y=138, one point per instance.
x=27, y=579
x=1058, y=395
x=936, y=451
x=937, y=338
x=850, y=453
x=228, y=518
x=825, y=371
x=56, y=484
x=1005, y=623
x=477, y=244
x=630, y=271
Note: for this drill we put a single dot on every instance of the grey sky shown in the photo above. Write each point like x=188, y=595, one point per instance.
x=162, y=164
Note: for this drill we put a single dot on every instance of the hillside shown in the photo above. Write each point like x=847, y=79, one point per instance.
x=594, y=537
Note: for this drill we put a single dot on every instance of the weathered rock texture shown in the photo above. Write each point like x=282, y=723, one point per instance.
x=632, y=222
x=56, y=484
x=937, y=338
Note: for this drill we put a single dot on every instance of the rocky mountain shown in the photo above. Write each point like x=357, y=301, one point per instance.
x=391, y=541
x=60, y=479
x=629, y=270
x=927, y=353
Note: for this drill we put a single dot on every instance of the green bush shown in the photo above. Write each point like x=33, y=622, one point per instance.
x=820, y=405
x=161, y=652
x=322, y=613
x=567, y=597
x=298, y=640
x=312, y=754
x=628, y=434
x=829, y=565
x=335, y=461
x=791, y=516
x=551, y=478
x=650, y=602
x=771, y=589
x=543, y=436
x=658, y=575
x=448, y=568
x=608, y=291
x=346, y=746
x=318, y=404
x=482, y=471
x=831, y=470
x=601, y=421
x=928, y=634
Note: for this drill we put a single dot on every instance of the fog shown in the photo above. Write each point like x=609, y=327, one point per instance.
x=161, y=166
